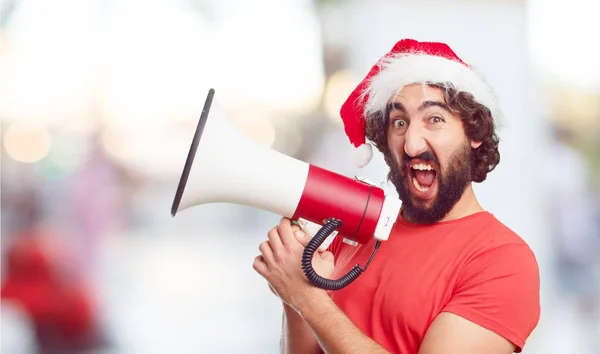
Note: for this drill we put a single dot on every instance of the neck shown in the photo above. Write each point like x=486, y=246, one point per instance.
x=466, y=205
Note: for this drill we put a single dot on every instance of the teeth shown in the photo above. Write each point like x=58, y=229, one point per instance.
x=422, y=167
x=418, y=186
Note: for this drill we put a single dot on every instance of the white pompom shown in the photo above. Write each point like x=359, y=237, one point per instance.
x=362, y=155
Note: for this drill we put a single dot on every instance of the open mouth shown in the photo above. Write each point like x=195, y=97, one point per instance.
x=422, y=177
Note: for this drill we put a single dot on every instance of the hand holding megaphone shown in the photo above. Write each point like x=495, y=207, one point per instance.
x=323, y=260
x=223, y=165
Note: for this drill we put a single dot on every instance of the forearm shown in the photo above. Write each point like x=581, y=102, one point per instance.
x=334, y=331
x=296, y=336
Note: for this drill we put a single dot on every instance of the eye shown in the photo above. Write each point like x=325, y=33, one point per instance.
x=436, y=120
x=399, y=123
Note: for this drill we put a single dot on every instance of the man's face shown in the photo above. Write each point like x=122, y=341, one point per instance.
x=430, y=162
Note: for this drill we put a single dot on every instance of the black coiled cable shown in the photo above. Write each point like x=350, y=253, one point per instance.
x=328, y=284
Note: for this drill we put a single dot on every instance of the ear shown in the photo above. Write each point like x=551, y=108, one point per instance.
x=475, y=144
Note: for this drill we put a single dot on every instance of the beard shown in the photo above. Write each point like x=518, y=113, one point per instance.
x=451, y=184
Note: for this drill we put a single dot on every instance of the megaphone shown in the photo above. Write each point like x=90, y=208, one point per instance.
x=224, y=165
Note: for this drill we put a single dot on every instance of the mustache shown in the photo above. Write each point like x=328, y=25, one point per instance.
x=426, y=156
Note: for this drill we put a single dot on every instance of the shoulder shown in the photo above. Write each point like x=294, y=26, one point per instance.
x=498, y=250
x=498, y=285
x=495, y=237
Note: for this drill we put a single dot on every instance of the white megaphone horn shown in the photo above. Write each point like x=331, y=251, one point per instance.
x=224, y=165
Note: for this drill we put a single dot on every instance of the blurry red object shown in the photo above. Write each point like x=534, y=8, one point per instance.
x=37, y=278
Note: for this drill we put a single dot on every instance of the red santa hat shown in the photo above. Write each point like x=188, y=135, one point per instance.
x=407, y=63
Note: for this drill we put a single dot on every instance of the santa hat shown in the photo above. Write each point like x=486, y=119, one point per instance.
x=407, y=63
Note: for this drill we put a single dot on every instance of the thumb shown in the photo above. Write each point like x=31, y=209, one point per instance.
x=326, y=255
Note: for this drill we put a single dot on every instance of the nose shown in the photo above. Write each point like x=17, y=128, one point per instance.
x=414, y=141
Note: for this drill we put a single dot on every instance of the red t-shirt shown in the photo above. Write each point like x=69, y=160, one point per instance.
x=474, y=267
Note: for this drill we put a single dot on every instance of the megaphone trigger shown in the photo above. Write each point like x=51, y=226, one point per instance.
x=311, y=229
x=330, y=226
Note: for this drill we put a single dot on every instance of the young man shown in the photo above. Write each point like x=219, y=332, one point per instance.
x=451, y=278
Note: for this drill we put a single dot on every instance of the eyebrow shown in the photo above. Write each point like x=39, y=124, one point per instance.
x=397, y=106
x=428, y=104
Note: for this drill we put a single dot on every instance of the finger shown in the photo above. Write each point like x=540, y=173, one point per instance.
x=302, y=237
x=259, y=265
x=296, y=227
x=302, y=233
x=286, y=231
x=267, y=252
x=275, y=239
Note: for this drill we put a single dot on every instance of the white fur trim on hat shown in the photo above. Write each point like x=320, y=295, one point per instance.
x=405, y=69
x=362, y=155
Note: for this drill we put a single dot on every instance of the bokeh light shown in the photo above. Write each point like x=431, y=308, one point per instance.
x=27, y=142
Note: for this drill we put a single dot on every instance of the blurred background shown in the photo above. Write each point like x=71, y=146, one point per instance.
x=99, y=101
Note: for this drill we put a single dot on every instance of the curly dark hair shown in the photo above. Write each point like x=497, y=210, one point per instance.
x=478, y=123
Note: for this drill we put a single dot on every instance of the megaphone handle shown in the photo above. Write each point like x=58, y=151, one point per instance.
x=307, y=257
